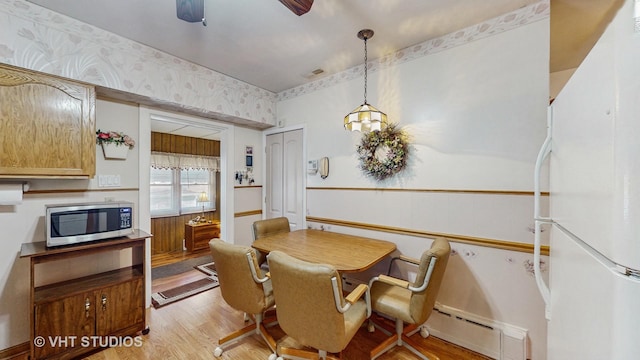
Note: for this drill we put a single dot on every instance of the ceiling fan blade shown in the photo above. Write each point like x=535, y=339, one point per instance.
x=299, y=7
x=190, y=10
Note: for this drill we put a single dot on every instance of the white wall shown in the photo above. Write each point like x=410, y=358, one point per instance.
x=247, y=199
x=249, y=137
x=248, y=196
x=476, y=114
x=476, y=111
x=25, y=223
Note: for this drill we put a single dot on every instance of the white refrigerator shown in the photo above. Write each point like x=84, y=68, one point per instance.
x=593, y=294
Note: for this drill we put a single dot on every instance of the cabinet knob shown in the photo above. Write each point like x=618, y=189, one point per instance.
x=104, y=302
x=87, y=307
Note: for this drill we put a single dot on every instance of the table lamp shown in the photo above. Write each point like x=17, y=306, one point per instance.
x=203, y=198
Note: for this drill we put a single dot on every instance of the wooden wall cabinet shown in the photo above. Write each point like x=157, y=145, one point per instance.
x=81, y=311
x=47, y=126
x=197, y=236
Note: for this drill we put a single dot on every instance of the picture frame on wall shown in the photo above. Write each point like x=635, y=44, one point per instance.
x=248, y=156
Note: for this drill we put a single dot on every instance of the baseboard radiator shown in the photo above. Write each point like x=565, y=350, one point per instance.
x=494, y=339
x=491, y=338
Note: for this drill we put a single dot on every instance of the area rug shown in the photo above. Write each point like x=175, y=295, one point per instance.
x=179, y=267
x=208, y=268
x=169, y=296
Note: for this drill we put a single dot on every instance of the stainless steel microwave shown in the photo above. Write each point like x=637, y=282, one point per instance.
x=68, y=224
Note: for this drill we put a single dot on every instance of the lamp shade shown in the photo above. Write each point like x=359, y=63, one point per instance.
x=365, y=118
x=203, y=197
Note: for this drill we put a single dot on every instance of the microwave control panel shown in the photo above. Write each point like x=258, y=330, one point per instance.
x=125, y=218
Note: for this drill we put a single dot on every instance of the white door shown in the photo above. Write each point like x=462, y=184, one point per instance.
x=274, y=169
x=285, y=171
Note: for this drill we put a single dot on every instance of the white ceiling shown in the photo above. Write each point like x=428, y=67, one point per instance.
x=263, y=43
x=177, y=128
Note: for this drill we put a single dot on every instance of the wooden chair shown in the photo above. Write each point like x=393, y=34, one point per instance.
x=409, y=302
x=245, y=288
x=311, y=308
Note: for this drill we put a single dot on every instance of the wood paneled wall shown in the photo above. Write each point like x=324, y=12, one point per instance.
x=168, y=232
x=184, y=145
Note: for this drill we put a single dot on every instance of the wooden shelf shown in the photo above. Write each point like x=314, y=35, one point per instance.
x=40, y=249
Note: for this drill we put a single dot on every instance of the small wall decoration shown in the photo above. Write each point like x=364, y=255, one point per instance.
x=249, y=156
x=114, y=144
x=383, y=153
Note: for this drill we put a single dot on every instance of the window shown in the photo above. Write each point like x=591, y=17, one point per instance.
x=192, y=183
x=177, y=181
x=163, y=192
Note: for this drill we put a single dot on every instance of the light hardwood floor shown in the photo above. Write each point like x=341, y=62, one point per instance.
x=190, y=329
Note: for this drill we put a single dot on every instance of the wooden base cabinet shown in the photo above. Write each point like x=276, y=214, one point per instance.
x=197, y=236
x=60, y=324
x=76, y=316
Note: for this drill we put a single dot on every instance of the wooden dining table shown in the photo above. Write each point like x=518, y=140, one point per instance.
x=347, y=253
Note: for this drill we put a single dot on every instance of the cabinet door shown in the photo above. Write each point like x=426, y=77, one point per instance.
x=120, y=308
x=47, y=125
x=63, y=323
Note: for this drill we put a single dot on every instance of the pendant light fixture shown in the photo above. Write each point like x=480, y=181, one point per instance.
x=365, y=118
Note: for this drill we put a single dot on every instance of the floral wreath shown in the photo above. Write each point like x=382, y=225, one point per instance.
x=383, y=153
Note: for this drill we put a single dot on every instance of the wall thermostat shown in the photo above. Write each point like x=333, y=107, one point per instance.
x=312, y=167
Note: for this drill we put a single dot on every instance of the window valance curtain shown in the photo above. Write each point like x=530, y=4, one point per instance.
x=160, y=160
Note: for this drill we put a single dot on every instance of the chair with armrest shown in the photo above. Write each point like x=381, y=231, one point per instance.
x=312, y=309
x=409, y=302
x=262, y=228
x=244, y=287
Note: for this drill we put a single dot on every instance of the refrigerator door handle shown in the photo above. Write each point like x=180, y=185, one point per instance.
x=538, y=219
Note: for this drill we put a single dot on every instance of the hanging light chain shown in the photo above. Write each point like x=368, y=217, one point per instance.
x=365, y=69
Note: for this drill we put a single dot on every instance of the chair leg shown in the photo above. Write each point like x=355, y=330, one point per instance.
x=292, y=353
x=233, y=338
x=255, y=328
x=401, y=338
x=262, y=330
x=413, y=347
x=383, y=347
x=424, y=332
